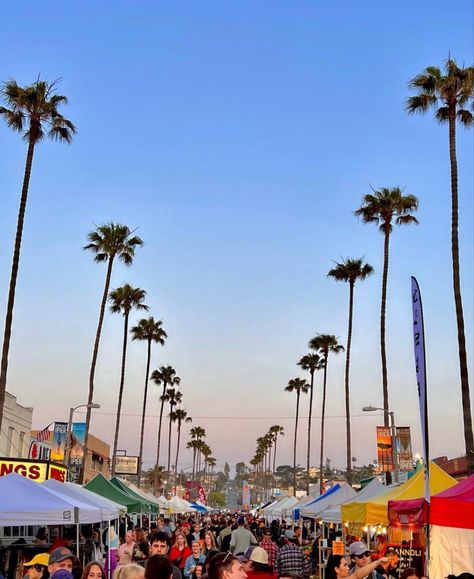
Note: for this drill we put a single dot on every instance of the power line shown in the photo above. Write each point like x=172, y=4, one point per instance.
x=134, y=415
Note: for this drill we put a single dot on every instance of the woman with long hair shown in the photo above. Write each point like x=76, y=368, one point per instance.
x=38, y=566
x=93, y=570
x=337, y=567
x=209, y=543
x=180, y=551
x=141, y=548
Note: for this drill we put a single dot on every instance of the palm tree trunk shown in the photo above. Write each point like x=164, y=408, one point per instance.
x=309, y=431
x=466, y=402
x=177, y=452
x=160, y=421
x=346, y=384
x=294, y=444
x=323, y=412
x=275, y=453
x=194, y=463
x=147, y=374
x=169, y=443
x=382, y=327
x=95, y=354
x=122, y=381
x=14, y=274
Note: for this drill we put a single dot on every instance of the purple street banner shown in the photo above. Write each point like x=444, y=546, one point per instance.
x=420, y=365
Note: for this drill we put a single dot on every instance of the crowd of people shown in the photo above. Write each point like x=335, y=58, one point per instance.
x=213, y=547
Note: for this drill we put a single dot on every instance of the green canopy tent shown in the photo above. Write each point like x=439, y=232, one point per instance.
x=101, y=486
x=151, y=507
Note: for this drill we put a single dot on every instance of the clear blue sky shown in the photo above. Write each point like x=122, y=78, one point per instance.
x=238, y=137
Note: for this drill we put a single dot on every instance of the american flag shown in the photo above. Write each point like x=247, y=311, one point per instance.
x=43, y=434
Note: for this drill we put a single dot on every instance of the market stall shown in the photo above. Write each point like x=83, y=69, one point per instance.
x=452, y=530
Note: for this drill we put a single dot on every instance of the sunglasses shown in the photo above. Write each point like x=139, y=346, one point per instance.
x=366, y=554
x=226, y=557
x=38, y=567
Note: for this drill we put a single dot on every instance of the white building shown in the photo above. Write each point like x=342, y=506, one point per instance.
x=16, y=428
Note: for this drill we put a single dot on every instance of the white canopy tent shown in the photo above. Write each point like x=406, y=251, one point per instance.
x=332, y=513
x=177, y=505
x=147, y=496
x=280, y=509
x=163, y=502
x=24, y=502
x=344, y=494
x=70, y=491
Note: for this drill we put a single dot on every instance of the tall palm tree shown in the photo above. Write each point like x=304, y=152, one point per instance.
x=107, y=242
x=122, y=300
x=32, y=111
x=165, y=376
x=150, y=331
x=179, y=415
x=276, y=431
x=310, y=363
x=300, y=386
x=192, y=445
x=350, y=270
x=451, y=95
x=173, y=397
x=385, y=207
x=324, y=344
x=154, y=478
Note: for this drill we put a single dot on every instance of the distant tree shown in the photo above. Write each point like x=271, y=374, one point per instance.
x=310, y=363
x=173, y=397
x=179, y=416
x=154, y=478
x=216, y=499
x=226, y=470
x=166, y=377
x=451, y=95
x=276, y=431
x=33, y=111
x=123, y=300
x=150, y=331
x=383, y=208
x=324, y=344
x=107, y=242
x=300, y=386
x=349, y=271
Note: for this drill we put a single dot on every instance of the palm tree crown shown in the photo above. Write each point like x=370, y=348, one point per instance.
x=113, y=240
x=351, y=270
x=326, y=344
x=449, y=94
x=126, y=297
x=150, y=330
x=385, y=205
x=33, y=111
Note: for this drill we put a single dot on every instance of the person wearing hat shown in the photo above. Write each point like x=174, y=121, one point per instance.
x=360, y=558
x=291, y=560
x=60, y=558
x=258, y=567
x=270, y=547
x=38, y=567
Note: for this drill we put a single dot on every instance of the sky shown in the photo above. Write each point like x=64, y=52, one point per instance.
x=237, y=138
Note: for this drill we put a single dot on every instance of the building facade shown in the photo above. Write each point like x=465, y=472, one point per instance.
x=16, y=428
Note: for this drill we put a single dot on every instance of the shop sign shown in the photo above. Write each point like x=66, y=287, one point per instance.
x=126, y=464
x=402, y=557
x=39, y=471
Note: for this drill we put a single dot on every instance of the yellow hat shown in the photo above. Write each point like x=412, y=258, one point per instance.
x=39, y=559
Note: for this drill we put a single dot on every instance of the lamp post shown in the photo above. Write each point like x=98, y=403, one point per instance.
x=394, y=436
x=67, y=456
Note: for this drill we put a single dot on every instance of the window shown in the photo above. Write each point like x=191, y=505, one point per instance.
x=97, y=462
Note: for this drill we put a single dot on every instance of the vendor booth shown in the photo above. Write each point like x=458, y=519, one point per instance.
x=452, y=530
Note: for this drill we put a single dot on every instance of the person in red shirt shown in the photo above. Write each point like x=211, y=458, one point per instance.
x=180, y=551
x=270, y=547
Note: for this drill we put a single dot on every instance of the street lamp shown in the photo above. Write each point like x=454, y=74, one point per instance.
x=394, y=436
x=69, y=433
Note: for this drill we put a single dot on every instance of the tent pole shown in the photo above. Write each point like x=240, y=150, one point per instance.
x=108, y=550
x=76, y=518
